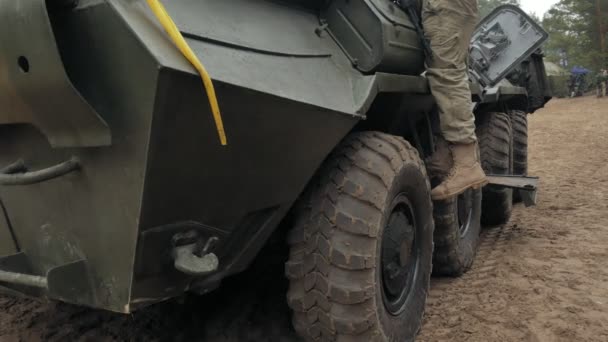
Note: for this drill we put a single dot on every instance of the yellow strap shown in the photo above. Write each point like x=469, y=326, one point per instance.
x=165, y=20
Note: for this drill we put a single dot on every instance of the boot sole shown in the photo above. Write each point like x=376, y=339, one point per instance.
x=475, y=186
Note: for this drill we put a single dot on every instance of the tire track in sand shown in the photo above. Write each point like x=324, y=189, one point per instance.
x=467, y=290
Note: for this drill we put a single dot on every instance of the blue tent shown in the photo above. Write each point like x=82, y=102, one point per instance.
x=579, y=71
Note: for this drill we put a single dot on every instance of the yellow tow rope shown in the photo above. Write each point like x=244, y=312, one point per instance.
x=169, y=25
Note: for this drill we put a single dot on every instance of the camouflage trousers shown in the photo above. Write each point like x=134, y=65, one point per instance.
x=449, y=25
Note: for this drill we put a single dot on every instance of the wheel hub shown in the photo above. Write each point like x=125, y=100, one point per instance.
x=399, y=257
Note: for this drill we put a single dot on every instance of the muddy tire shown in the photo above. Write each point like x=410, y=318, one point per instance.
x=362, y=244
x=519, y=123
x=457, y=229
x=495, y=144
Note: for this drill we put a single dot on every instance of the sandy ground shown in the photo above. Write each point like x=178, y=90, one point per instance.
x=542, y=277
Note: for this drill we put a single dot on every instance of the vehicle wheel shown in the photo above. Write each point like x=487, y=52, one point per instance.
x=495, y=137
x=457, y=229
x=362, y=244
x=519, y=123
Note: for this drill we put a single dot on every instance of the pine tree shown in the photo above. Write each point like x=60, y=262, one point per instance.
x=574, y=27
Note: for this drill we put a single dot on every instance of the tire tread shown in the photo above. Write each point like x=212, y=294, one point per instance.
x=330, y=247
x=494, y=132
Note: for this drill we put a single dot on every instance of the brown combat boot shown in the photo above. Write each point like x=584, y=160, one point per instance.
x=466, y=173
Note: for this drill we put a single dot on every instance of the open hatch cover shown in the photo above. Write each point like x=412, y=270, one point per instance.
x=502, y=41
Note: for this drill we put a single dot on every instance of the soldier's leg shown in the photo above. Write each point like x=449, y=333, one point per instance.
x=449, y=25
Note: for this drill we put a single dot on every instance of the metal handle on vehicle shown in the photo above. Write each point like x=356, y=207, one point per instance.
x=15, y=174
x=16, y=167
x=23, y=279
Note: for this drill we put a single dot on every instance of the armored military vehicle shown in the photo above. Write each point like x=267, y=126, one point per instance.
x=116, y=192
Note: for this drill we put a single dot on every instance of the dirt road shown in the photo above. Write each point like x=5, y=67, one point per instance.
x=542, y=277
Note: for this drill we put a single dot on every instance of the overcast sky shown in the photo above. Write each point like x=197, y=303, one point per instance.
x=537, y=6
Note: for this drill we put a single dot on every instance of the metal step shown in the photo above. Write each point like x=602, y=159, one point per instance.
x=527, y=186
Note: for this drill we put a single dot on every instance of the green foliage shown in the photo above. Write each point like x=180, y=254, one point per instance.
x=559, y=86
x=487, y=6
x=573, y=26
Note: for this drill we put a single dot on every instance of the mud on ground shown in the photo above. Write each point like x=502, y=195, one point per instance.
x=542, y=277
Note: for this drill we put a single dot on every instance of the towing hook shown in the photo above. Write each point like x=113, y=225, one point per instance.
x=196, y=259
x=16, y=173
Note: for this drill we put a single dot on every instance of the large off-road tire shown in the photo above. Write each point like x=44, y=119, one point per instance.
x=457, y=229
x=362, y=244
x=495, y=144
x=519, y=124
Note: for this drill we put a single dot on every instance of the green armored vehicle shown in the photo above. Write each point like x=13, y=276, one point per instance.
x=116, y=192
